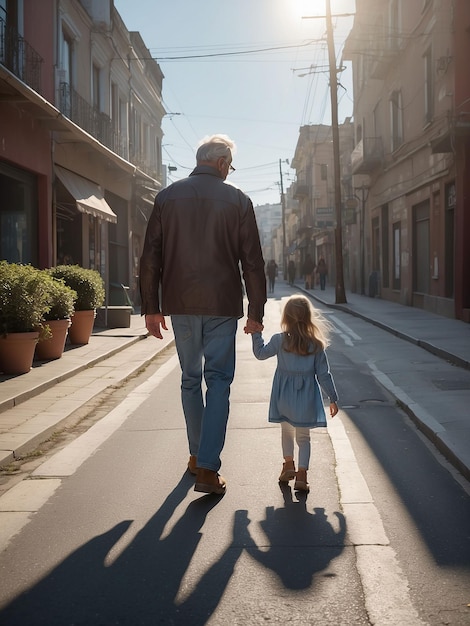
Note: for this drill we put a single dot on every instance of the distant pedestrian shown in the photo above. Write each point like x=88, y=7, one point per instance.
x=200, y=230
x=302, y=368
x=308, y=270
x=271, y=271
x=322, y=271
x=291, y=272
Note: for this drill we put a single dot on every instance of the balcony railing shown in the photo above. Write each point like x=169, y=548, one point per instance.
x=95, y=122
x=367, y=155
x=19, y=57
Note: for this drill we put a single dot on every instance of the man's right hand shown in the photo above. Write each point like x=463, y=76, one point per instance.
x=153, y=323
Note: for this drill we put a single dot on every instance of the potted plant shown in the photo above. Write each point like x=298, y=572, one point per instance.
x=23, y=304
x=62, y=306
x=89, y=287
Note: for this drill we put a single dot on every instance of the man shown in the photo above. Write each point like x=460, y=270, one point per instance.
x=200, y=231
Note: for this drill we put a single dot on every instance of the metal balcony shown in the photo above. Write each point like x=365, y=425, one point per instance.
x=19, y=57
x=90, y=119
x=301, y=190
x=367, y=155
x=386, y=48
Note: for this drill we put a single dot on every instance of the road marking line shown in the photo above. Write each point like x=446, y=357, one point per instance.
x=346, y=328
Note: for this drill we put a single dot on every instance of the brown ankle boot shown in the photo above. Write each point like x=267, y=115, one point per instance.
x=301, y=483
x=288, y=472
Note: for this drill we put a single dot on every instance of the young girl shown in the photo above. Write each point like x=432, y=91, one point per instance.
x=302, y=367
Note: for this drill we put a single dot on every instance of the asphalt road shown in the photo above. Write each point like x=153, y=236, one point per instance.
x=110, y=530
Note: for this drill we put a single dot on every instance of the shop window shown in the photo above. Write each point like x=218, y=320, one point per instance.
x=421, y=248
x=18, y=215
x=385, y=247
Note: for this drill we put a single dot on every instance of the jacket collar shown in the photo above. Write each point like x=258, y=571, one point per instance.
x=206, y=169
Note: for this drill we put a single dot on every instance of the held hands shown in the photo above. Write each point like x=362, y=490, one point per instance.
x=333, y=409
x=153, y=323
x=252, y=327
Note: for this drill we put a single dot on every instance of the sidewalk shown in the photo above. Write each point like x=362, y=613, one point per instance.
x=35, y=405
x=444, y=337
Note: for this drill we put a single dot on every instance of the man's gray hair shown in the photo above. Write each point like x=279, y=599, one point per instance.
x=214, y=147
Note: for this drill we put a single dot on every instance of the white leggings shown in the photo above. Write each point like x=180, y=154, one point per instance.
x=302, y=437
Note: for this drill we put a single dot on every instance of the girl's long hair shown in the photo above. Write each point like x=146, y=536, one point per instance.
x=305, y=329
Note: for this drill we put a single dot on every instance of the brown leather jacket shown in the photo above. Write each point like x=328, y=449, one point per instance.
x=202, y=229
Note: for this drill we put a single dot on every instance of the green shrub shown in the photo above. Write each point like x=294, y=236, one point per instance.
x=61, y=298
x=24, y=298
x=87, y=283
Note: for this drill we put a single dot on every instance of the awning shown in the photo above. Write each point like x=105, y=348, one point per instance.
x=87, y=195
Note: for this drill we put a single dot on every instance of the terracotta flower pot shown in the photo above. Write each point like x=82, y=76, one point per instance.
x=82, y=326
x=17, y=352
x=53, y=347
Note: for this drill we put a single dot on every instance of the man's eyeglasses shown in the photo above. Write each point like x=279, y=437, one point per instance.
x=230, y=167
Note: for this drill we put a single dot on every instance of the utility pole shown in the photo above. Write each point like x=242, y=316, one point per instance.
x=283, y=207
x=339, y=287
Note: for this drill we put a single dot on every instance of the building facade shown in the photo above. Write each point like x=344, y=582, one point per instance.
x=412, y=147
x=80, y=158
x=314, y=190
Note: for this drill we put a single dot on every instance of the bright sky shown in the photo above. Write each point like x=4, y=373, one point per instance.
x=233, y=67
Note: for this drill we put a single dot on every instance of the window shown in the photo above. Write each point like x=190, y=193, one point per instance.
x=96, y=96
x=123, y=138
x=421, y=247
x=115, y=105
x=396, y=120
x=449, y=239
x=396, y=256
x=428, y=88
x=395, y=24
x=66, y=58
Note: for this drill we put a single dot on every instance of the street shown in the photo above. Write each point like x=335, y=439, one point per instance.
x=110, y=530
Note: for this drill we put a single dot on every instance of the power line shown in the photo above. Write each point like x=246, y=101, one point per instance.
x=225, y=54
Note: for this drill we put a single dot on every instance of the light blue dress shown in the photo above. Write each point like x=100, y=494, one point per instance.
x=296, y=397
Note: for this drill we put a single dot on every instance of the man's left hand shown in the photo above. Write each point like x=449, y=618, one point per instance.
x=253, y=327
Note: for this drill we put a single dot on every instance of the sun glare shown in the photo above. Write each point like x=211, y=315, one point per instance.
x=303, y=8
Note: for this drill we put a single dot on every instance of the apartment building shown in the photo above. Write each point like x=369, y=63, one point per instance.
x=314, y=190
x=412, y=148
x=80, y=132
x=269, y=218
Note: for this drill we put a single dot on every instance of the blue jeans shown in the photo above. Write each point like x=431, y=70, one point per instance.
x=205, y=342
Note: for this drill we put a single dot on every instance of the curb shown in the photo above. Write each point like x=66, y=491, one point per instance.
x=18, y=398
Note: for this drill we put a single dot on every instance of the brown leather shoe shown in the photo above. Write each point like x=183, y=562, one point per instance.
x=208, y=481
x=192, y=464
